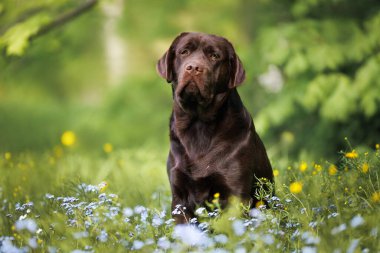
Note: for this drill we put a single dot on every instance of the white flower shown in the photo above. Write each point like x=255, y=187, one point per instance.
x=27, y=224
x=333, y=215
x=169, y=222
x=33, y=242
x=357, y=221
x=309, y=249
x=240, y=250
x=137, y=245
x=223, y=239
x=309, y=238
x=139, y=209
x=200, y=211
x=79, y=235
x=189, y=235
x=127, y=212
x=272, y=80
x=157, y=221
x=353, y=245
x=268, y=239
x=103, y=237
x=238, y=227
x=373, y=232
x=338, y=229
x=219, y=250
x=7, y=246
x=163, y=243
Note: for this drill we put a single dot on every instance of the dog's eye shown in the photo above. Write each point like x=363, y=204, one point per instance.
x=214, y=56
x=184, y=52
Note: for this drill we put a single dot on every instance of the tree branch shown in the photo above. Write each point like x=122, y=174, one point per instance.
x=66, y=17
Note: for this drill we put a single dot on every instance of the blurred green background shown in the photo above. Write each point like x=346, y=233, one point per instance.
x=313, y=71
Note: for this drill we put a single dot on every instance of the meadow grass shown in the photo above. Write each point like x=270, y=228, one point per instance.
x=119, y=201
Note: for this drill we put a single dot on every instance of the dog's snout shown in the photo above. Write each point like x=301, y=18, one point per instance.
x=194, y=68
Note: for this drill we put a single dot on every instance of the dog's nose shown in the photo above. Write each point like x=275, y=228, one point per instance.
x=193, y=68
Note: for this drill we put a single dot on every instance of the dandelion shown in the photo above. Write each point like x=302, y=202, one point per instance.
x=103, y=186
x=276, y=172
x=303, y=166
x=332, y=170
x=217, y=195
x=317, y=167
x=352, y=154
x=375, y=197
x=107, y=147
x=365, y=167
x=8, y=156
x=259, y=204
x=295, y=187
x=68, y=138
x=377, y=146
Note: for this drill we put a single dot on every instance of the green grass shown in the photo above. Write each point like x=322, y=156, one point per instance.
x=65, y=200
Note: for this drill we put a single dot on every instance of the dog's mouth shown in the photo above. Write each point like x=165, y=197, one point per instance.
x=191, y=96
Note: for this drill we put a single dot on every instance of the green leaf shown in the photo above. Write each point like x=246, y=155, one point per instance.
x=16, y=38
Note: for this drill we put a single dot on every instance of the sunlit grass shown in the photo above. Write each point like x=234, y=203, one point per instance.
x=119, y=200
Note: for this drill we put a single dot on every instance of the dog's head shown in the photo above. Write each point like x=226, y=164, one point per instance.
x=202, y=69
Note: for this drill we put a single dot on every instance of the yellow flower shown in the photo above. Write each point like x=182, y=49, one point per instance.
x=332, y=170
x=276, y=173
x=68, y=138
x=295, y=187
x=303, y=166
x=103, y=186
x=7, y=155
x=377, y=146
x=217, y=195
x=352, y=154
x=375, y=197
x=259, y=204
x=107, y=147
x=317, y=167
x=365, y=167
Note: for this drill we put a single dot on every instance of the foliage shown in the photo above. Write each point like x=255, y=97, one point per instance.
x=22, y=20
x=328, y=53
x=335, y=207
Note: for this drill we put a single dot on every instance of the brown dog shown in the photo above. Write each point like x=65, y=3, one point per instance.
x=214, y=145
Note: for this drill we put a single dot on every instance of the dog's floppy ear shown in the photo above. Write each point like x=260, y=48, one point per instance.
x=165, y=64
x=163, y=68
x=237, y=72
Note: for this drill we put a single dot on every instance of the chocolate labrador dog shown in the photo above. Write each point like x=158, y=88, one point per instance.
x=214, y=147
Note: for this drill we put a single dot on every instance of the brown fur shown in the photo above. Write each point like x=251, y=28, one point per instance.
x=214, y=147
